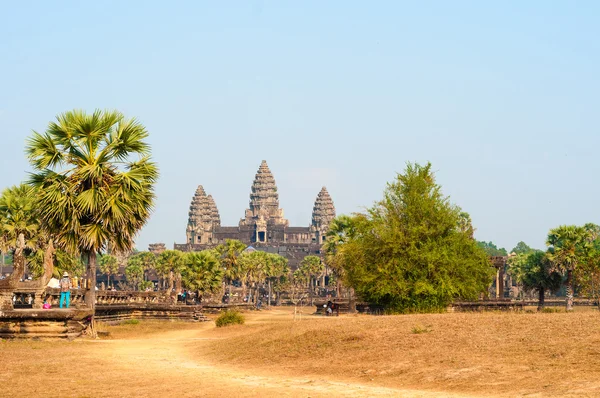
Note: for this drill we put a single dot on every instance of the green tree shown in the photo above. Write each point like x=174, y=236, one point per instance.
x=277, y=268
x=313, y=268
x=568, y=247
x=95, y=181
x=522, y=248
x=134, y=271
x=409, y=253
x=229, y=254
x=169, y=265
x=109, y=265
x=491, y=249
x=202, y=272
x=534, y=271
x=148, y=261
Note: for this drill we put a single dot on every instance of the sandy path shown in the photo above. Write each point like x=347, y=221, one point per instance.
x=165, y=360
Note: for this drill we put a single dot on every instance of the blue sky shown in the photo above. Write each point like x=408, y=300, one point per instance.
x=501, y=97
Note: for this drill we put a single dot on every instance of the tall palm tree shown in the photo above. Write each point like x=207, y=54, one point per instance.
x=230, y=253
x=109, y=265
x=96, y=183
x=170, y=264
x=202, y=272
x=568, y=247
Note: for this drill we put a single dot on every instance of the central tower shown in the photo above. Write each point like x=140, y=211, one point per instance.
x=264, y=214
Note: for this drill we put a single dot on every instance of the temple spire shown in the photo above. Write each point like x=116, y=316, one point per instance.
x=323, y=211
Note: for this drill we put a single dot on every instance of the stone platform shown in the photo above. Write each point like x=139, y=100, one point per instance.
x=39, y=323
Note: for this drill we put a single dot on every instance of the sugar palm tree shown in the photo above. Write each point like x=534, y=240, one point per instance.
x=170, y=264
x=96, y=183
x=202, y=272
x=230, y=253
x=109, y=265
x=568, y=247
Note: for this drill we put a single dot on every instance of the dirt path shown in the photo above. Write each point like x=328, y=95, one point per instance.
x=165, y=361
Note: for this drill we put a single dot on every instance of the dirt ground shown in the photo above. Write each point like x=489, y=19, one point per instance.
x=273, y=354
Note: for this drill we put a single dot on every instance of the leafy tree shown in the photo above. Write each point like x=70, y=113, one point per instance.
x=522, y=248
x=169, y=264
x=491, y=249
x=465, y=224
x=229, y=254
x=148, y=261
x=202, y=272
x=109, y=265
x=134, y=271
x=277, y=268
x=409, y=253
x=568, y=247
x=534, y=271
x=312, y=267
x=95, y=181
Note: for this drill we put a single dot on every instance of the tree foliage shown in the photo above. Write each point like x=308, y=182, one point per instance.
x=410, y=251
x=95, y=182
x=491, y=249
x=534, y=271
x=202, y=272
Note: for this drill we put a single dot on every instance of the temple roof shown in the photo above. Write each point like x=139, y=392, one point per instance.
x=203, y=209
x=323, y=210
x=264, y=190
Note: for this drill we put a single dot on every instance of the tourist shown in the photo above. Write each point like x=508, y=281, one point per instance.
x=65, y=290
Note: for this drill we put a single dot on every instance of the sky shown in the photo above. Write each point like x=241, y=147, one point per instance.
x=501, y=97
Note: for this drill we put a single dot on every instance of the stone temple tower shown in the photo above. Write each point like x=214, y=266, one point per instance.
x=323, y=213
x=264, y=210
x=203, y=218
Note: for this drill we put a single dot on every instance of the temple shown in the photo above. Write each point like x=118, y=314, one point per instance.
x=264, y=225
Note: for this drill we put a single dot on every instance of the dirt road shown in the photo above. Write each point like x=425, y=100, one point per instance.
x=162, y=366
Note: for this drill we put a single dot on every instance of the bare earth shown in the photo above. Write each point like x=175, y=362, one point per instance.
x=459, y=355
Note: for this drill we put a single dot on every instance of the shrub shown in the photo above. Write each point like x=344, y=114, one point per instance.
x=230, y=318
x=131, y=322
x=421, y=329
x=549, y=310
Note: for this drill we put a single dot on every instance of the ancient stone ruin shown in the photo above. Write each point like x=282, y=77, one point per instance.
x=263, y=226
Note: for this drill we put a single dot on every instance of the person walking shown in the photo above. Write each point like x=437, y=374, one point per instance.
x=65, y=290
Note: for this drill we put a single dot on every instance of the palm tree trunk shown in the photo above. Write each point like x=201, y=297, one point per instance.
x=269, y=299
x=90, y=294
x=570, y=290
x=541, y=299
x=108, y=280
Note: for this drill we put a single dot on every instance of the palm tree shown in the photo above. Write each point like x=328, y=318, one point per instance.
x=134, y=271
x=568, y=246
x=276, y=267
x=109, y=265
x=312, y=267
x=170, y=264
x=534, y=271
x=95, y=181
x=202, y=272
x=230, y=253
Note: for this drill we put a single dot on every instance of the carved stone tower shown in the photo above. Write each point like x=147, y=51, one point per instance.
x=323, y=214
x=264, y=208
x=203, y=218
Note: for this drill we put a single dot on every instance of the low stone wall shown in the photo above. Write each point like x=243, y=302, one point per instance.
x=38, y=323
x=167, y=312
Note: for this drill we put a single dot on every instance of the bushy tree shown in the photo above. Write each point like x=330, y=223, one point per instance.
x=409, y=251
x=491, y=249
x=522, y=248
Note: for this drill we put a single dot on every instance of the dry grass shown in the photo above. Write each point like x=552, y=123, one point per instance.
x=491, y=354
